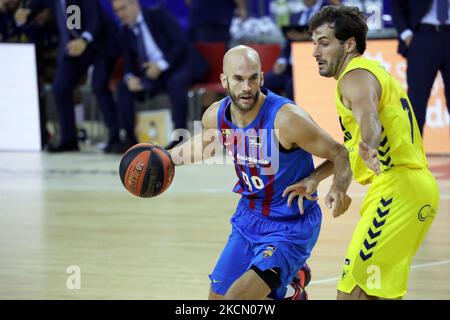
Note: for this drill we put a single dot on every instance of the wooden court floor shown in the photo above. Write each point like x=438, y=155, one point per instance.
x=60, y=212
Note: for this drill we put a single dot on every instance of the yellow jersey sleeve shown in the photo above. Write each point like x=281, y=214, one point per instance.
x=401, y=142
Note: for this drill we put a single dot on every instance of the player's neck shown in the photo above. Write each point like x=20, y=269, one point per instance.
x=344, y=64
x=242, y=118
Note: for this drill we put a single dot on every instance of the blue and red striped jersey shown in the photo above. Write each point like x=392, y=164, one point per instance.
x=264, y=168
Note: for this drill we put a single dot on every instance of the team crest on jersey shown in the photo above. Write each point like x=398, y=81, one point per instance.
x=269, y=251
x=227, y=132
x=227, y=135
x=252, y=148
x=255, y=141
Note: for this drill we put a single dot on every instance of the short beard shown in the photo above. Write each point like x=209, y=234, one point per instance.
x=235, y=100
x=337, y=65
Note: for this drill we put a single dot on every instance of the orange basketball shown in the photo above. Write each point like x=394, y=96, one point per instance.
x=146, y=170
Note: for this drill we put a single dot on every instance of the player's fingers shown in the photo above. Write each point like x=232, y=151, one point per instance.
x=337, y=204
x=294, y=187
x=377, y=170
x=375, y=166
x=287, y=190
x=329, y=201
x=347, y=202
x=338, y=209
x=374, y=153
x=311, y=198
x=291, y=197
x=300, y=205
x=343, y=205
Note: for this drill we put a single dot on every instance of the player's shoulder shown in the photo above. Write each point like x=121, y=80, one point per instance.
x=357, y=77
x=213, y=108
x=209, y=117
x=290, y=115
x=353, y=82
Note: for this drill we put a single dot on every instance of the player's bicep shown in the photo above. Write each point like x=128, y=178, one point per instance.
x=298, y=128
x=316, y=141
x=361, y=91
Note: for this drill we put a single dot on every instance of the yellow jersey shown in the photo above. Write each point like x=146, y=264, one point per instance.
x=401, y=142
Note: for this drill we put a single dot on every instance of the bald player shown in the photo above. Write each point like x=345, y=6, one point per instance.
x=271, y=141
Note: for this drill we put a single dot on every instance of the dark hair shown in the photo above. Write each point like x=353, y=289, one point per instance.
x=347, y=22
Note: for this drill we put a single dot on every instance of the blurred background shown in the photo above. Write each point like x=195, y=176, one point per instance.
x=38, y=74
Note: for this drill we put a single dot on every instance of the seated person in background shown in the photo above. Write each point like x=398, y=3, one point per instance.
x=279, y=79
x=158, y=57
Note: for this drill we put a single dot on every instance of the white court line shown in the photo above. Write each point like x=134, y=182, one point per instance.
x=417, y=266
x=430, y=264
x=324, y=280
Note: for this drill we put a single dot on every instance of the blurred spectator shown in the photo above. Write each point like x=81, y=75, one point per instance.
x=74, y=56
x=78, y=48
x=9, y=31
x=104, y=63
x=209, y=21
x=424, y=31
x=279, y=79
x=157, y=57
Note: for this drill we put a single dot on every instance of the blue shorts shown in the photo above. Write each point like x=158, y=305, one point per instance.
x=266, y=243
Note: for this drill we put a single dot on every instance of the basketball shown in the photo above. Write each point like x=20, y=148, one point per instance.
x=146, y=170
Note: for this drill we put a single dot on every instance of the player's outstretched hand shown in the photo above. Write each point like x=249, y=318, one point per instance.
x=370, y=156
x=338, y=201
x=303, y=189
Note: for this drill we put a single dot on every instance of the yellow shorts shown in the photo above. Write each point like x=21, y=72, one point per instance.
x=395, y=217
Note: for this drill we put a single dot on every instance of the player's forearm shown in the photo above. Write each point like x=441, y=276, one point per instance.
x=342, y=172
x=197, y=149
x=188, y=152
x=370, y=130
x=323, y=171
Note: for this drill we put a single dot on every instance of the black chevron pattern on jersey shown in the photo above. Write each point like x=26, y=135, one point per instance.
x=384, y=151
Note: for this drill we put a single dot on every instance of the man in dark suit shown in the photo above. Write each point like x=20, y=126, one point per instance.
x=157, y=57
x=79, y=47
x=423, y=27
x=105, y=60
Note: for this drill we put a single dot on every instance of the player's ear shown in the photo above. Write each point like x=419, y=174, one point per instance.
x=262, y=79
x=223, y=80
x=351, y=45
